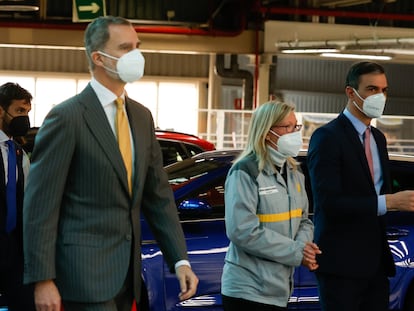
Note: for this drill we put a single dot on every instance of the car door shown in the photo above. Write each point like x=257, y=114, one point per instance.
x=400, y=234
x=305, y=294
x=200, y=204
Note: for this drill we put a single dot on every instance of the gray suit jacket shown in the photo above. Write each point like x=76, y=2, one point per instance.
x=80, y=223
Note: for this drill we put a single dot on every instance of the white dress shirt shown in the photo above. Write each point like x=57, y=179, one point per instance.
x=4, y=152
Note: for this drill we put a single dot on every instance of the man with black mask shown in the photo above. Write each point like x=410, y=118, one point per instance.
x=15, y=104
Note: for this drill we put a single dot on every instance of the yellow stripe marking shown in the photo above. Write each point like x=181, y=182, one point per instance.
x=297, y=213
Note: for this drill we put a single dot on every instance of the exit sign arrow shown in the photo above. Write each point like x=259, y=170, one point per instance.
x=89, y=8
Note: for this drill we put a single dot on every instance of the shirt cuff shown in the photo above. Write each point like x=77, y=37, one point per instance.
x=182, y=263
x=382, y=207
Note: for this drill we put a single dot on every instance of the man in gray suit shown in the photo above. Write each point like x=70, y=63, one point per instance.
x=82, y=205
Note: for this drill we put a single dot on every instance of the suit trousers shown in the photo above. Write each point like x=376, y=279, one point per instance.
x=337, y=293
x=18, y=295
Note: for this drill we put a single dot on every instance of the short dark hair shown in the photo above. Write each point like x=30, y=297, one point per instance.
x=359, y=69
x=11, y=91
x=97, y=34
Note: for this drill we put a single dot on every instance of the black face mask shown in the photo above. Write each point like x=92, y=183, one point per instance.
x=18, y=126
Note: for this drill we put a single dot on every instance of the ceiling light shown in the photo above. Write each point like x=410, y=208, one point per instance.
x=47, y=47
x=18, y=8
x=343, y=3
x=310, y=51
x=357, y=56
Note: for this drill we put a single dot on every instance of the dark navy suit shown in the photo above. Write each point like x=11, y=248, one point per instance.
x=351, y=236
x=19, y=297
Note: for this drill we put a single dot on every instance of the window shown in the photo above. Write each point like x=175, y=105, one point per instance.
x=162, y=98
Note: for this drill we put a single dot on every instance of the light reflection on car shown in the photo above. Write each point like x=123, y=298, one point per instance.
x=198, y=185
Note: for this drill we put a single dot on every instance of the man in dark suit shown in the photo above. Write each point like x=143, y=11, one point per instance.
x=351, y=195
x=15, y=104
x=90, y=180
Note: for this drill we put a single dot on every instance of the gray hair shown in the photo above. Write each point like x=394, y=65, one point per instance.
x=97, y=34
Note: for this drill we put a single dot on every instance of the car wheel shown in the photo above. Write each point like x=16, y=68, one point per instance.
x=409, y=298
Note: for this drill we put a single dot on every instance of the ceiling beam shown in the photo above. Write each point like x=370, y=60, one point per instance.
x=244, y=43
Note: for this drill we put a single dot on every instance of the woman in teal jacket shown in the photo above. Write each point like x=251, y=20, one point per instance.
x=266, y=215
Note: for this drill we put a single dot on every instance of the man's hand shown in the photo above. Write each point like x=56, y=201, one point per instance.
x=188, y=282
x=401, y=201
x=47, y=297
x=309, y=256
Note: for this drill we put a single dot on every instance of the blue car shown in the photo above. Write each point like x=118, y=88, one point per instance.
x=198, y=185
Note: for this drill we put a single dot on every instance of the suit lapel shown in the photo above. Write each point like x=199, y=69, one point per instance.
x=97, y=121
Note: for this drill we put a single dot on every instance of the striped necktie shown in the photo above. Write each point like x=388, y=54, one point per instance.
x=124, y=139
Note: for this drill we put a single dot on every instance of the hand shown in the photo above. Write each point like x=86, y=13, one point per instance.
x=401, y=201
x=188, y=282
x=47, y=297
x=309, y=256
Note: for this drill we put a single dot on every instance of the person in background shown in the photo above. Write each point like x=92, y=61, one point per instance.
x=266, y=215
x=96, y=166
x=27, y=141
x=350, y=181
x=15, y=104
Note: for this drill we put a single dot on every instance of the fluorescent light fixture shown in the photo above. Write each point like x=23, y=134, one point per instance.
x=46, y=47
x=342, y=3
x=310, y=51
x=357, y=56
x=18, y=8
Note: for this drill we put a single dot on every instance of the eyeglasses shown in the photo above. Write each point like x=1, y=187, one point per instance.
x=290, y=128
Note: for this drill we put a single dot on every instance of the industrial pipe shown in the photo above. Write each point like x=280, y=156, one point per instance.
x=345, y=43
x=235, y=73
x=336, y=13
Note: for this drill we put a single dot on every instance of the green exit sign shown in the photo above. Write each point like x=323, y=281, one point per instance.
x=87, y=10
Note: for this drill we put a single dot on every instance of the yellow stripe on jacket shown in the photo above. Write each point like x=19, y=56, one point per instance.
x=297, y=213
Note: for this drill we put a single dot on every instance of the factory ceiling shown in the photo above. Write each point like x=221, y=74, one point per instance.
x=342, y=24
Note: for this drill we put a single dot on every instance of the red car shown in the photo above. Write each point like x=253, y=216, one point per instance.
x=176, y=146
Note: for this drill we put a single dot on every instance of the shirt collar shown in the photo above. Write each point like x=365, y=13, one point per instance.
x=105, y=96
x=359, y=126
x=3, y=137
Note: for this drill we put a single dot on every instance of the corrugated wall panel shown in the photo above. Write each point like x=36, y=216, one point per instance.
x=316, y=85
x=176, y=65
x=74, y=61
x=315, y=102
x=309, y=74
x=48, y=60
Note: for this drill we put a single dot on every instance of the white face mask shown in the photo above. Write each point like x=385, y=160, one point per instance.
x=373, y=106
x=130, y=66
x=275, y=156
x=289, y=144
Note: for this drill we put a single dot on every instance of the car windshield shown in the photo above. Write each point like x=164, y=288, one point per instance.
x=189, y=170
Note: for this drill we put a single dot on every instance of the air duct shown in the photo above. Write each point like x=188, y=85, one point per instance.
x=235, y=73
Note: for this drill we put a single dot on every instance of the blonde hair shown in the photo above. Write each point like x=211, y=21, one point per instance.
x=263, y=118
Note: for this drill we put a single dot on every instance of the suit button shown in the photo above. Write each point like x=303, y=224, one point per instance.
x=128, y=237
